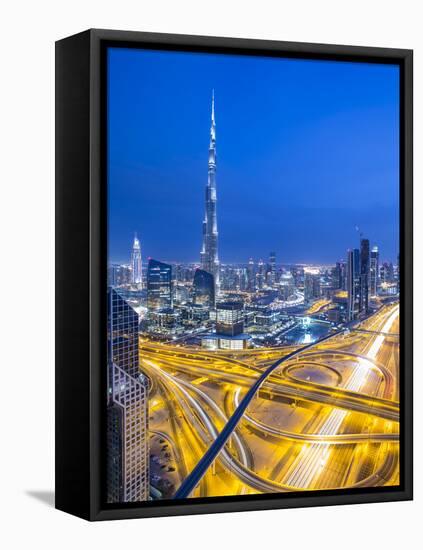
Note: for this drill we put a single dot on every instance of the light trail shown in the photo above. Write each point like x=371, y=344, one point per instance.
x=336, y=439
x=312, y=459
x=204, y=416
x=241, y=468
x=307, y=390
x=200, y=469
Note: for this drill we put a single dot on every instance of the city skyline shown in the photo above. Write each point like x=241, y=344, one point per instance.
x=315, y=231
x=216, y=340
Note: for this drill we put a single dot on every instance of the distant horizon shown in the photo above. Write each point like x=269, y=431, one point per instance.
x=306, y=151
x=264, y=259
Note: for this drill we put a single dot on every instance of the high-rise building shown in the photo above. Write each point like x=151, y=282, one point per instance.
x=339, y=278
x=159, y=286
x=260, y=275
x=136, y=262
x=203, y=288
x=251, y=275
x=118, y=275
x=387, y=273
x=364, y=274
x=353, y=284
x=312, y=288
x=286, y=285
x=209, y=252
x=374, y=271
x=298, y=275
x=271, y=269
x=127, y=407
x=230, y=318
x=242, y=278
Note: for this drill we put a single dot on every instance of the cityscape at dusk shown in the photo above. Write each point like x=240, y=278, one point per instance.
x=253, y=275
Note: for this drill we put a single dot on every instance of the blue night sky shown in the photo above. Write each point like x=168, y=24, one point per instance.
x=306, y=151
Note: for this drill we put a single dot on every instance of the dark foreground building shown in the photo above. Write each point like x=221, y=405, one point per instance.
x=127, y=407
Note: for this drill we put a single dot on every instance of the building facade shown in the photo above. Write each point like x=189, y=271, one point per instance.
x=353, y=284
x=271, y=270
x=136, y=262
x=364, y=275
x=159, y=286
x=203, y=288
x=251, y=275
x=127, y=407
x=312, y=288
x=374, y=271
x=230, y=318
x=340, y=276
x=118, y=274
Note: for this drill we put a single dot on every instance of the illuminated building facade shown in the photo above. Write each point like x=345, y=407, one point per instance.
x=127, y=409
x=340, y=276
x=229, y=328
x=260, y=275
x=159, y=286
x=311, y=284
x=374, y=271
x=209, y=252
x=365, y=274
x=230, y=318
x=136, y=262
x=118, y=274
x=251, y=275
x=271, y=269
x=353, y=284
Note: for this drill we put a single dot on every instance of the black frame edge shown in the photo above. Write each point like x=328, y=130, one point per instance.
x=72, y=368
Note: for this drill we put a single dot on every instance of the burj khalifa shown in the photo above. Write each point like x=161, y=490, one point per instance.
x=209, y=255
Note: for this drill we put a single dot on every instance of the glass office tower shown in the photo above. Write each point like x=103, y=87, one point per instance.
x=203, y=288
x=127, y=410
x=159, y=286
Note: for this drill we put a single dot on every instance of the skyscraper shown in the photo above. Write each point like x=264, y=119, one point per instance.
x=260, y=275
x=312, y=289
x=251, y=275
x=209, y=253
x=127, y=407
x=353, y=284
x=374, y=271
x=203, y=288
x=364, y=275
x=339, y=275
x=159, y=285
x=136, y=262
x=271, y=270
x=118, y=274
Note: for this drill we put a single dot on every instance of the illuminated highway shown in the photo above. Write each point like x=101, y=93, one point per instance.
x=325, y=415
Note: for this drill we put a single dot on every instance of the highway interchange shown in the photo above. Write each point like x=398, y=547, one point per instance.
x=322, y=416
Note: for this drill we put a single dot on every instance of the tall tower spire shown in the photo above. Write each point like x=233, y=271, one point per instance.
x=209, y=254
x=136, y=262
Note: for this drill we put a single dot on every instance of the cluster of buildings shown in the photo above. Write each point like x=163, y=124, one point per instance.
x=225, y=306
x=181, y=299
x=360, y=280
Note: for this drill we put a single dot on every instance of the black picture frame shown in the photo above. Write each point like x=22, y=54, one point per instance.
x=81, y=256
